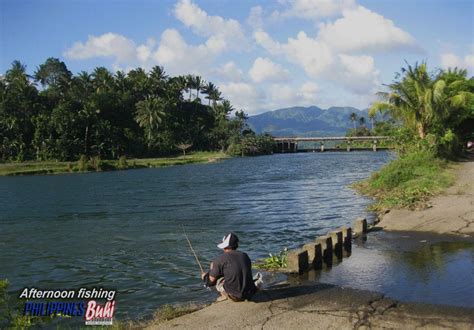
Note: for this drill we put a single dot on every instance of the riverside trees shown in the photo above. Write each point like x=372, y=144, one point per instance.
x=436, y=109
x=55, y=115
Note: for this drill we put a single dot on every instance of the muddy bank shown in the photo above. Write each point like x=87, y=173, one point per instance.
x=449, y=213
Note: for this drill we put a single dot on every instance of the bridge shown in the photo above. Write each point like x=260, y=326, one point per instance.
x=290, y=144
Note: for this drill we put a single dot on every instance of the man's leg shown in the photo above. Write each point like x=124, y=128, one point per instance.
x=220, y=289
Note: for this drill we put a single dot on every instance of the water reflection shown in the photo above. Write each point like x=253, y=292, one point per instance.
x=409, y=267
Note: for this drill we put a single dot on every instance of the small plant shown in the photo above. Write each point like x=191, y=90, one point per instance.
x=97, y=163
x=122, y=163
x=82, y=163
x=274, y=261
x=168, y=312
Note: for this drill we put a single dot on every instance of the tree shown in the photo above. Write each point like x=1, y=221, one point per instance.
x=149, y=116
x=362, y=121
x=183, y=147
x=372, y=119
x=353, y=118
x=418, y=99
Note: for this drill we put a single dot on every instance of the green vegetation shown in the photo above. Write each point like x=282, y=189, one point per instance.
x=168, y=312
x=86, y=118
x=95, y=164
x=408, y=181
x=274, y=261
x=10, y=315
x=436, y=112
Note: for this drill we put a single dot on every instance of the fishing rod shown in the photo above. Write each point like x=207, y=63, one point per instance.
x=192, y=250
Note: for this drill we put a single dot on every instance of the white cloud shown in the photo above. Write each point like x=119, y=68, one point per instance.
x=314, y=9
x=451, y=60
x=230, y=72
x=180, y=58
x=334, y=53
x=264, y=69
x=363, y=30
x=255, y=18
x=106, y=45
x=243, y=96
x=223, y=33
x=308, y=92
x=359, y=73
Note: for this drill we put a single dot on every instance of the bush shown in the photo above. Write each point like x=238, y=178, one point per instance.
x=82, y=163
x=274, y=261
x=122, y=163
x=97, y=163
x=408, y=181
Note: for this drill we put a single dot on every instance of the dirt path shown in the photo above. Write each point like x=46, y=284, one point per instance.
x=322, y=306
x=451, y=213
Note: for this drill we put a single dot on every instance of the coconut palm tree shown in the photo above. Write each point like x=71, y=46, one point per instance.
x=353, y=118
x=372, y=119
x=418, y=99
x=149, y=116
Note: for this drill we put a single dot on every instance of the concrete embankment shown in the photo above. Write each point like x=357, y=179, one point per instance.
x=449, y=213
x=321, y=306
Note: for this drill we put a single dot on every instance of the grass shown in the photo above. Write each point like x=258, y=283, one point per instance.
x=97, y=165
x=407, y=182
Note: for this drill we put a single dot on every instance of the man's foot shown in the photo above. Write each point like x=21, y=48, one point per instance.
x=221, y=298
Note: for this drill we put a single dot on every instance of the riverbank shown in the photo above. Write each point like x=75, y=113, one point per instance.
x=452, y=212
x=51, y=167
x=320, y=306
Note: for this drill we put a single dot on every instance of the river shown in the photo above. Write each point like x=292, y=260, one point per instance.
x=123, y=229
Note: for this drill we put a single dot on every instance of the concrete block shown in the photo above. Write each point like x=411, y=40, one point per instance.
x=315, y=255
x=326, y=248
x=347, y=238
x=336, y=236
x=297, y=261
x=360, y=226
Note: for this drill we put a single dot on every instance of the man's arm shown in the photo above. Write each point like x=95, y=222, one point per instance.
x=209, y=279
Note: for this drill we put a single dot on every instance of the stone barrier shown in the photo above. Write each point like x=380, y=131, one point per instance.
x=297, y=261
x=337, y=241
x=315, y=254
x=347, y=238
x=360, y=226
x=326, y=248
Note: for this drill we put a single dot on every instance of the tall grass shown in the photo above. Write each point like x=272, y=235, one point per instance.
x=407, y=182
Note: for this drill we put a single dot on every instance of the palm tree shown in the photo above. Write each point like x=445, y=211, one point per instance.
x=418, y=99
x=362, y=121
x=210, y=89
x=353, y=118
x=372, y=119
x=149, y=116
x=158, y=79
x=102, y=79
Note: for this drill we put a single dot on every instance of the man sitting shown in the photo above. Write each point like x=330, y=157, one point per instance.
x=231, y=272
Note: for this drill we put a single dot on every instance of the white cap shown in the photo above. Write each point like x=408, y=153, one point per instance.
x=229, y=240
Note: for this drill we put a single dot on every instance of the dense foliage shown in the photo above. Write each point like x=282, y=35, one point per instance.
x=436, y=109
x=436, y=115
x=55, y=115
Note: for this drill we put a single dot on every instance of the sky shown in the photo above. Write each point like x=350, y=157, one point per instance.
x=262, y=54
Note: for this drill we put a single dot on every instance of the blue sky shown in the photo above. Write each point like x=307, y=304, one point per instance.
x=262, y=54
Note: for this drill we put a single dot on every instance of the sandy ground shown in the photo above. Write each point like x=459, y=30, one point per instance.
x=450, y=213
x=322, y=306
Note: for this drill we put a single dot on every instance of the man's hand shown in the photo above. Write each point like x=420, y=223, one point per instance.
x=203, y=275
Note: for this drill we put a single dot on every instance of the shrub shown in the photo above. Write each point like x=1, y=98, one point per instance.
x=274, y=261
x=122, y=163
x=82, y=163
x=97, y=163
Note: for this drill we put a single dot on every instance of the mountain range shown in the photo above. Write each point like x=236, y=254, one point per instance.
x=306, y=121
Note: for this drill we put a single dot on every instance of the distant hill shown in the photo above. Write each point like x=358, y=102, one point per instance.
x=306, y=121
